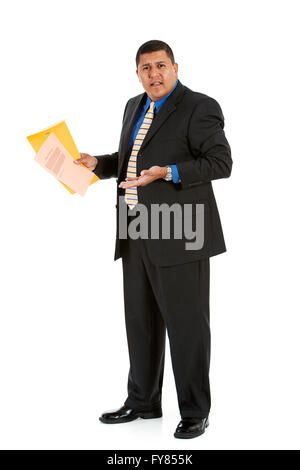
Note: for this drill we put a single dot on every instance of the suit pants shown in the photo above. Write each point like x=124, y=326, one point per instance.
x=175, y=300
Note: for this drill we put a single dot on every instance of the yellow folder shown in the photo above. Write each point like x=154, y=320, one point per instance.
x=63, y=134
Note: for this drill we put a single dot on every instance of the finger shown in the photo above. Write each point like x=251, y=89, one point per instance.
x=80, y=160
x=128, y=184
x=128, y=179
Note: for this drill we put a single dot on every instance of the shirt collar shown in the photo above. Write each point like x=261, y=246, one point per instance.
x=158, y=104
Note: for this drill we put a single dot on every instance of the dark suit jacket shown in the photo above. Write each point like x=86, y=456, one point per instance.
x=188, y=132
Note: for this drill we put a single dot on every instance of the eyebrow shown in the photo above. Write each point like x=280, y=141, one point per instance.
x=158, y=62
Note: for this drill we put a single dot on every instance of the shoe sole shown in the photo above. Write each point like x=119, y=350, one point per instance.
x=143, y=415
x=190, y=436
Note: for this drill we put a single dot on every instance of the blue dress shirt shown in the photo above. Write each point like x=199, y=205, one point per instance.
x=140, y=118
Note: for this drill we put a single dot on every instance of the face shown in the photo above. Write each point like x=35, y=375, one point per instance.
x=157, y=74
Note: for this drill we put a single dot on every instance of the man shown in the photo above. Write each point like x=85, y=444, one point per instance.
x=172, y=146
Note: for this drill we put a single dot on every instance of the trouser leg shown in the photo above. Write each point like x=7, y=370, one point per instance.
x=182, y=293
x=145, y=331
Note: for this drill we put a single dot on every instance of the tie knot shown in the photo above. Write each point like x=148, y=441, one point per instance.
x=151, y=106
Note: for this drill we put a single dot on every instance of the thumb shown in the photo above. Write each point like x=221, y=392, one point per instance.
x=81, y=159
x=145, y=172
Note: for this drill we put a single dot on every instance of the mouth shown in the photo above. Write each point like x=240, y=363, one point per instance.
x=156, y=84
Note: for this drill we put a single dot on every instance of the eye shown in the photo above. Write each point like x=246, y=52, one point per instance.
x=161, y=65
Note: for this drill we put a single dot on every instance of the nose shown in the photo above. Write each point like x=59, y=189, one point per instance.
x=154, y=74
x=155, y=78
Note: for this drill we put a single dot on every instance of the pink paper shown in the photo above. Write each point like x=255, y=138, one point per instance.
x=53, y=156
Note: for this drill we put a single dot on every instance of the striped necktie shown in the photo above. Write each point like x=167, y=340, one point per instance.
x=131, y=195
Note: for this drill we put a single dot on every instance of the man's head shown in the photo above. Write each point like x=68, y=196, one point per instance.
x=156, y=68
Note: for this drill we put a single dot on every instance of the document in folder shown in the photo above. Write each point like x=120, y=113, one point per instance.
x=54, y=158
x=62, y=132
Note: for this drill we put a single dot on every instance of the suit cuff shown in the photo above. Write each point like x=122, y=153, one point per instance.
x=107, y=166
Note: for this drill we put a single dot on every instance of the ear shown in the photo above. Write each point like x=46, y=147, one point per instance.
x=138, y=74
x=176, y=68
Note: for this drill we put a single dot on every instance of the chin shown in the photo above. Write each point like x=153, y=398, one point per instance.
x=155, y=92
x=158, y=93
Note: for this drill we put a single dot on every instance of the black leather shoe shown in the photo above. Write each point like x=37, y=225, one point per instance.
x=126, y=414
x=191, y=427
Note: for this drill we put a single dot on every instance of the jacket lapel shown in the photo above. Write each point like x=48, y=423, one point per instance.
x=128, y=126
x=168, y=108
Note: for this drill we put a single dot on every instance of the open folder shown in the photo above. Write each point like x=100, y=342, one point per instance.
x=63, y=134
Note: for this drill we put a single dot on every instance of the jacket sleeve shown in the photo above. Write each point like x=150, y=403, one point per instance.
x=208, y=144
x=107, y=166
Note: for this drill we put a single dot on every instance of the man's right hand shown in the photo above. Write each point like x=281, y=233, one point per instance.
x=87, y=160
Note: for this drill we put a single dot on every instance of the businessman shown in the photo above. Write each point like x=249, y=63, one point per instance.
x=172, y=146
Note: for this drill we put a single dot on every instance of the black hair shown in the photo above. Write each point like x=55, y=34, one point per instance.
x=154, y=46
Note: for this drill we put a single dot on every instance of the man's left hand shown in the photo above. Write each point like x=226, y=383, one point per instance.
x=146, y=177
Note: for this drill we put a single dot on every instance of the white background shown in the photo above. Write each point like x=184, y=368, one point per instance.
x=63, y=347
